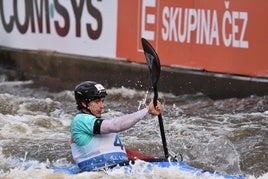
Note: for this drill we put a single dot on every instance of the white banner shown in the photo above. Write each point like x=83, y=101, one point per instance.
x=68, y=26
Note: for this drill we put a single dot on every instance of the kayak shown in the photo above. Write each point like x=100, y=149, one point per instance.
x=148, y=166
x=139, y=164
x=146, y=163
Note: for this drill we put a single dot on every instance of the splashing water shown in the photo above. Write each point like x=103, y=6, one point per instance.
x=228, y=136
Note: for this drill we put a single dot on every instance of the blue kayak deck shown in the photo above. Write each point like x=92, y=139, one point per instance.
x=150, y=165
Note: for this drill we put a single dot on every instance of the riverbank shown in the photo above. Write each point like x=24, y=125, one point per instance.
x=59, y=71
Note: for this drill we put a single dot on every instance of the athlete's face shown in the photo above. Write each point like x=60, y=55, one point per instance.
x=96, y=106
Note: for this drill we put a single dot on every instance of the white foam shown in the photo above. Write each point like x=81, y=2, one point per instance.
x=44, y=118
x=15, y=83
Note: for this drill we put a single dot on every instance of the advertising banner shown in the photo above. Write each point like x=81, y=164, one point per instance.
x=84, y=27
x=226, y=36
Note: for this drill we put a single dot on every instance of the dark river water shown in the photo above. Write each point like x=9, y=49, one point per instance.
x=229, y=136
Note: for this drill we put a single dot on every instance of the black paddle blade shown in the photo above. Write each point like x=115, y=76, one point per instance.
x=152, y=61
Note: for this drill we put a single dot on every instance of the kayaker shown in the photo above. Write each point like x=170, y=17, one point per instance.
x=94, y=141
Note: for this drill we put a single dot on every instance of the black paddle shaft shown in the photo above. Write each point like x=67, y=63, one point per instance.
x=161, y=125
x=155, y=68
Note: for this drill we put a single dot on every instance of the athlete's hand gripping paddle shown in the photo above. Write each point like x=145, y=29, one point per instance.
x=155, y=68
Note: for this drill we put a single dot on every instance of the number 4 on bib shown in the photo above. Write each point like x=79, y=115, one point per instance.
x=117, y=142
